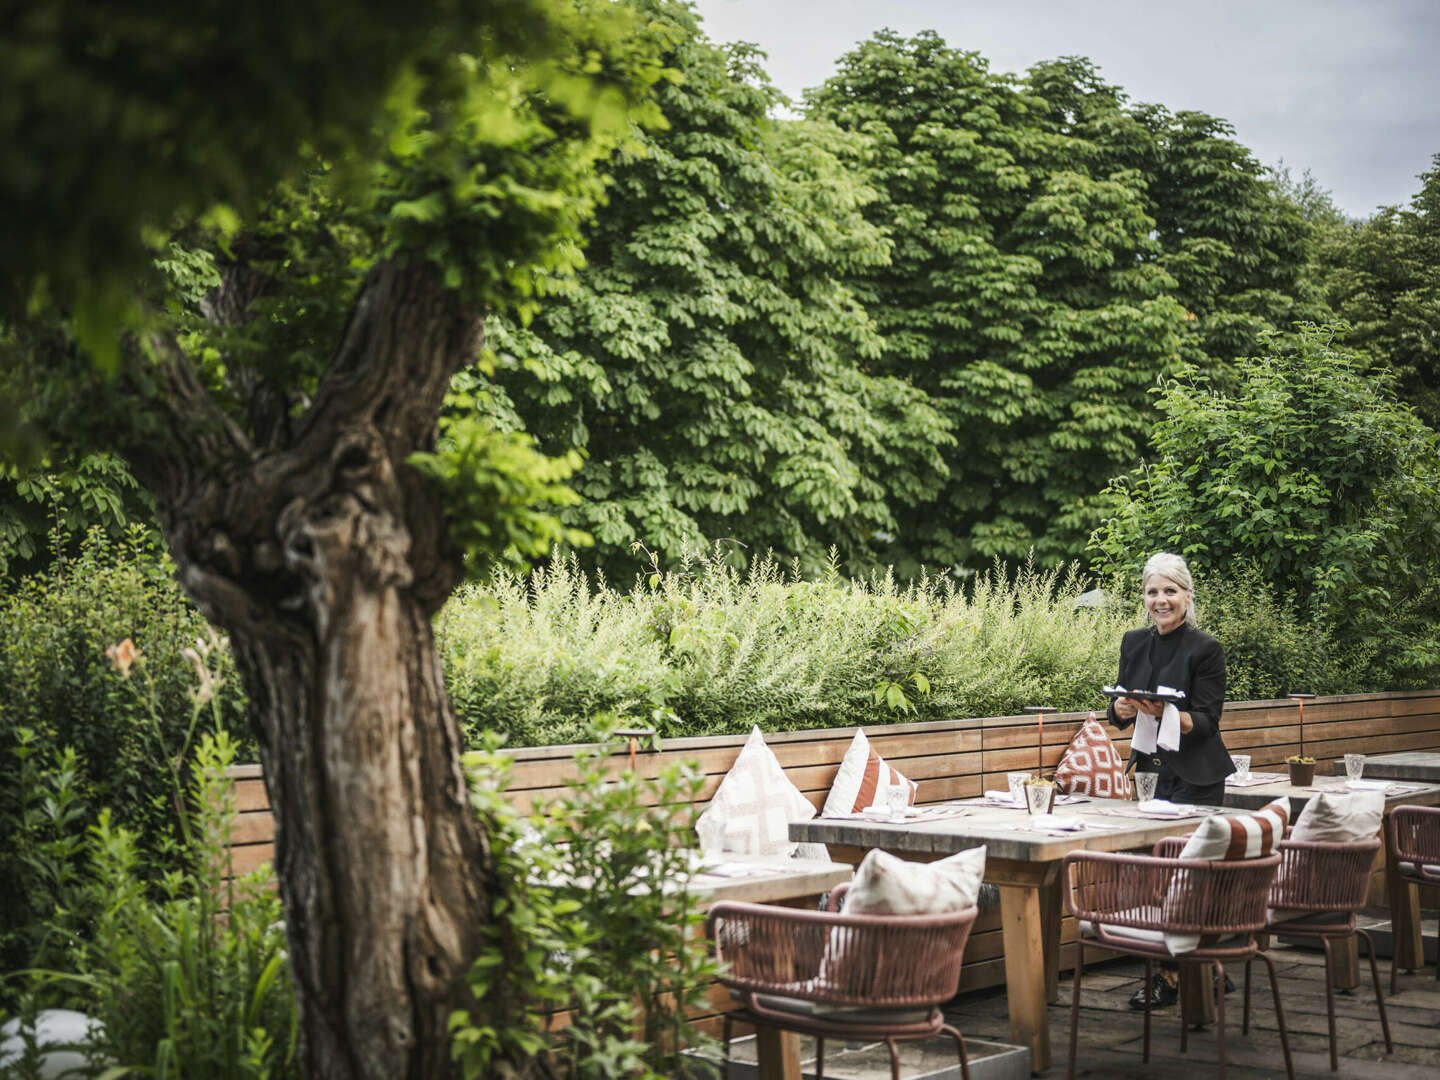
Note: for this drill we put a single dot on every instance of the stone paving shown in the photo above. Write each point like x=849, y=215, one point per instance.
x=1110, y=1033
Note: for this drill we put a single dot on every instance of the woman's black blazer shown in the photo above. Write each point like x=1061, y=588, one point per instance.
x=1191, y=661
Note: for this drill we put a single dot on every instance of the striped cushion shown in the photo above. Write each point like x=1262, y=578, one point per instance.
x=864, y=780
x=1226, y=839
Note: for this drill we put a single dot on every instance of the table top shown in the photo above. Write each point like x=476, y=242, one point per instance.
x=1252, y=798
x=1006, y=832
x=763, y=879
x=1408, y=765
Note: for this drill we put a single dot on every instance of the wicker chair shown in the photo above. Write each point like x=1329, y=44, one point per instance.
x=1412, y=844
x=1315, y=894
x=832, y=975
x=1127, y=903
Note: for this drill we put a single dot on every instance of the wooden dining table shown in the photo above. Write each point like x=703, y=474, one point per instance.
x=1025, y=865
x=1402, y=897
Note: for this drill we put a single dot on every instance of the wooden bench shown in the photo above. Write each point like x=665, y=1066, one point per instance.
x=950, y=759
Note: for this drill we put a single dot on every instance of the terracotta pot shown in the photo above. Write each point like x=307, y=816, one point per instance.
x=1302, y=773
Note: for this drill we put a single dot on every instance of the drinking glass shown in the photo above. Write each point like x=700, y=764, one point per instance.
x=1354, y=766
x=1145, y=786
x=1016, y=780
x=1242, y=766
x=1037, y=798
x=897, y=798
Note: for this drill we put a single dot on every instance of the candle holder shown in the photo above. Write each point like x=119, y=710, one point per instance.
x=1302, y=767
x=1038, y=780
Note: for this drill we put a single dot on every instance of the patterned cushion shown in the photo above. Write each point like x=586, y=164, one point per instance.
x=1091, y=765
x=864, y=780
x=885, y=884
x=757, y=802
x=1226, y=839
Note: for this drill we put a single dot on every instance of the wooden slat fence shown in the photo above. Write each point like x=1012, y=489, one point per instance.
x=951, y=759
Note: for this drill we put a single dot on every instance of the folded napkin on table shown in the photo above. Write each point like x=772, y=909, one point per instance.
x=1068, y=823
x=1368, y=785
x=1001, y=798
x=1163, y=808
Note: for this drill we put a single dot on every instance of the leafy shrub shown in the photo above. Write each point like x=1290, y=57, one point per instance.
x=583, y=928
x=62, y=689
x=190, y=982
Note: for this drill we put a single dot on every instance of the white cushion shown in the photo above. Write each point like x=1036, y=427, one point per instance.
x=887, y=885
x=1222, y=838
x=864, y=780
x=1137, y=933
x=1340, y=819
x=757, y=802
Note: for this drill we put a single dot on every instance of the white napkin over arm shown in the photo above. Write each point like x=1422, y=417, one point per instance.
x=1161, y=731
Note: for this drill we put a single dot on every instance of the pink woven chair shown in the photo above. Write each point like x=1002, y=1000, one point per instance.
x=832, y=975
x=1127, y=903
x=1315, y=894
x=1412, y=844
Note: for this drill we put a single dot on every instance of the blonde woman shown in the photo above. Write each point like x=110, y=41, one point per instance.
x=1172, y=652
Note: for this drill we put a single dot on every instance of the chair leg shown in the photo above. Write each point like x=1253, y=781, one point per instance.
x=1279, y=1014
x=1149, y=976
x=819, y=1057
x=1184, y=1024
x=1375, y=979
x=964, y=1057
x=1330, y=1002
x=727, y=1030
x=894, y=1059
x=1220, y=1013
x=1245, y=1021
x=1075, y=1008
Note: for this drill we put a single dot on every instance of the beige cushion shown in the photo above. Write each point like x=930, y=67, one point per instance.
x=1226, y=839
x=887, y=885
x=864, y=780
x=1340, y=819
x=757, y=802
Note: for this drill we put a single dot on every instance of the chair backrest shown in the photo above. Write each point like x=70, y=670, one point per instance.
x=1413, y=834
x=1172, y=895
x=1316, y=876
x=876, y=961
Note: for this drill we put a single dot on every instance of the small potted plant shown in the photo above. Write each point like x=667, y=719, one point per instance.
x=1302, y=767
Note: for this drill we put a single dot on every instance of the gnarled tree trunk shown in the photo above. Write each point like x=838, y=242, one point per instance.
x=324, y=557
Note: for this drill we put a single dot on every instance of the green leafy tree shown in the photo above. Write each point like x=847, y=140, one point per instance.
x=1383, y=277
x=710, y=362
x=271, y=380
x=1024, y=294
x=1309, y=469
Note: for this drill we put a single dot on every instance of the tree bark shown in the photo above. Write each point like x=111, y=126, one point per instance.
x=325, y=559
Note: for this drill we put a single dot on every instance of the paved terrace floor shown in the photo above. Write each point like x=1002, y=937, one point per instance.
x=1110, y=1033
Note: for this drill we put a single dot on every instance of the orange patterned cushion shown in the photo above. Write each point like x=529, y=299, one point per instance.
x=1091, y=765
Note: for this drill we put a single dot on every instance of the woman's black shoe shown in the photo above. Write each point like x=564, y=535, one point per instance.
x=1229, y=986
x=1161, y=993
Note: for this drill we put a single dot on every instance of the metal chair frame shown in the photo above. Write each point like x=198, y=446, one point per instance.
x=1319, y=879
x=1223, y=902
x=905, y=964
x=1412, y=835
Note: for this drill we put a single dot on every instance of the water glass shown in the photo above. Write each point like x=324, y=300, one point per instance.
x=1242, y=766
x=897, y=798
x=1016, y=780
x=1037, y=798
x=1354, y=766
x=1145, y=786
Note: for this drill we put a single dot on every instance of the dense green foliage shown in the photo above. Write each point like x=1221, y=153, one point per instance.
x=1382, y=276
x=60, y=686
x=588, y=933
x=186, y=976
x=46, y=510
x=1309, y=469
x=710, y=362
x=1055, y=251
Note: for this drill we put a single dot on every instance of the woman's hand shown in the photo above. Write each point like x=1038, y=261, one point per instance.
x=1126, y=708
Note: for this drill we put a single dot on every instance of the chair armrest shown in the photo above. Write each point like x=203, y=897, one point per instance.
x=1169, y=847
x=835, y=899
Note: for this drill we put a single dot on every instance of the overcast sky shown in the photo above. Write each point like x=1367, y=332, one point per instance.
x=1349, y=89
